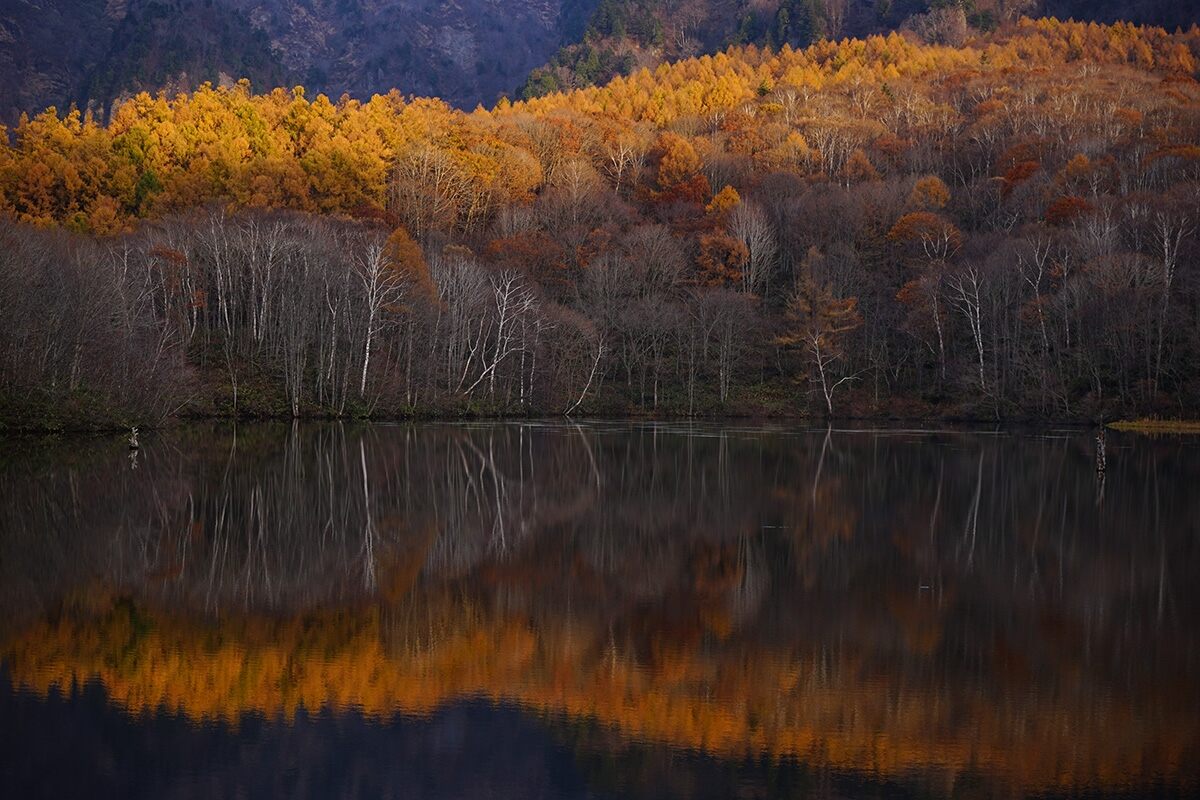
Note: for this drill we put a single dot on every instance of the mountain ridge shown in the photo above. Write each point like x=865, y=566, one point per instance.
x=624, y=35
x=467, y=52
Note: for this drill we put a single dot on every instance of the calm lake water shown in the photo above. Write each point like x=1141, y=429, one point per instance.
x=599, y=610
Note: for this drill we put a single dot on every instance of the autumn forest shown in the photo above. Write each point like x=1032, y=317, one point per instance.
x=1005, y=229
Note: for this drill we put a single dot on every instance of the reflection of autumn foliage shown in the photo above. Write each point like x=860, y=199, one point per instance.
x=868, y=601
x=817, y=521
x=728, y=702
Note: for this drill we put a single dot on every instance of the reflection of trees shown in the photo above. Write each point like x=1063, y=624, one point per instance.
x=286, y=516
x=875, y=601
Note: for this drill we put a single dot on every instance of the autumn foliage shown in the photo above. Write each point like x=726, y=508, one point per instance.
x=896, y=161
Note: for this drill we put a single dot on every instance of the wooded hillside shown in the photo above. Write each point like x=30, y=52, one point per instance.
x=1006, y=228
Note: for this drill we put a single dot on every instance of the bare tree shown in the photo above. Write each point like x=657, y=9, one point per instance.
x=965, y=284
x=382, y=286
x=1170, y=230
x=750, y=225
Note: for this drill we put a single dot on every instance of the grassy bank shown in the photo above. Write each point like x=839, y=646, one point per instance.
x=1150, y=425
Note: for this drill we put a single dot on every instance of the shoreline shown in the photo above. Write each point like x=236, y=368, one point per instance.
x=1181, y=427
x=948, y=422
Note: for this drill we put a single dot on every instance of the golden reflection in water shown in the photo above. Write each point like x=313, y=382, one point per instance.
x=729, y=700
x=949, y=606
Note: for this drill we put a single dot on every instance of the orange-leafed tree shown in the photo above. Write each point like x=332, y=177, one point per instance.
x=1067, y=208
x=930, y=193
x=819, y=323
x=407, y=262
x=391, y=272
x=926, y=235
x=679, y=175
x=534, y=253
x=723, y=202
x=721, y=260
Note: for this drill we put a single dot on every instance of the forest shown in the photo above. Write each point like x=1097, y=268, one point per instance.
x=623, y=35
x=1004, y=229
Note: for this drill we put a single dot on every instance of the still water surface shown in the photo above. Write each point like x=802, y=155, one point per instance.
x=599, y=610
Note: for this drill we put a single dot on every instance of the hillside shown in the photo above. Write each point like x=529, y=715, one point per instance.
x=1005, y=229
x=623, y=35
x=467, y=52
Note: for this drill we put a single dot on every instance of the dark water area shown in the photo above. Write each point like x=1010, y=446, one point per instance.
x=551, y=610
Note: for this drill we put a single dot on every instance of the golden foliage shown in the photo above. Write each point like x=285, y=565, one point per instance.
x=721, y=259
x=723, y=202
x=405, y=258
x=284, y=149
x=937, y=237
x=929, y=194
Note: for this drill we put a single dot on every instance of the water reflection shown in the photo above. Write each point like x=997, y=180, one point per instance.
x=945, y=613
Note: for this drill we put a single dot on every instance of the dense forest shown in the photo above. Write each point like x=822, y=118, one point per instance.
x=623, y=35
x=1001, y=229
x=466, y=52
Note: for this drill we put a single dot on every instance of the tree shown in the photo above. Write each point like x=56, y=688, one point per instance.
x=721, y=259
x=679, y=177
x=834, y=16
x=929, y=193
x=749, y=225
x=624, y=157
x=723, y=203
x=796, y=24
x=929, y=241
x=966, y=294
x=942, y=25
x=1170, y=230
x=819, y=324
x=932, y=237
x=390, y=271
x=429, y=189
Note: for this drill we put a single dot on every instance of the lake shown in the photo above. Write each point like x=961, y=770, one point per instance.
x=610, y=610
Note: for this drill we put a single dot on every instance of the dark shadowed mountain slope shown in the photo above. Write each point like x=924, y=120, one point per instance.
x=35, y=69
x=88, y=52
x=1167, y=13
x=464, y=51
x=179, y=44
